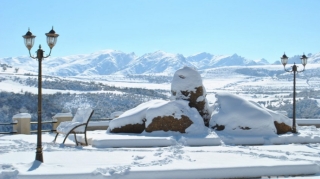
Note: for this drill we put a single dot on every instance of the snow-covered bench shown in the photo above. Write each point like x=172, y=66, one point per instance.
x=78, y=125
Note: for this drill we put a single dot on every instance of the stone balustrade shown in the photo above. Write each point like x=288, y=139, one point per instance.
x=21, y=123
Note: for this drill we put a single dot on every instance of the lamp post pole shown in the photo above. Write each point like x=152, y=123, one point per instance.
x=284, y=61
x=294, y=70
x=29, y=41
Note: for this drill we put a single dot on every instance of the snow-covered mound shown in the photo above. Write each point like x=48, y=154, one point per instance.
x=185, y=79
x=145, y=114
x=187, y=85
x=240, y=116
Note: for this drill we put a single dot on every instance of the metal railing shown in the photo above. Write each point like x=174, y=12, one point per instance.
x=15, y=131
x=43, y=122
x=12, y=131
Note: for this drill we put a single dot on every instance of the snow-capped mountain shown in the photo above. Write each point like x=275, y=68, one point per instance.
x=206, y=60
x=99, y=63
x=157, y=62
x=313, y=58
x=23, y=62
x=233, y=60
x=108, y=62
x=261, y=61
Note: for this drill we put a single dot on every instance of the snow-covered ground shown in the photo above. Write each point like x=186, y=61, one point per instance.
x=212, y=154
x=166, y=156
x=198, y=153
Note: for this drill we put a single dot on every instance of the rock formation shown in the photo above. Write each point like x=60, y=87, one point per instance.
x=187, y=85
x=159, y=115
x=129, y=128
x=282, y=128
x=169, y=123
x=237, y=115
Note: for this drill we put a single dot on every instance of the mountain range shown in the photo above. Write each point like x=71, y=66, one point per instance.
x=108, y=62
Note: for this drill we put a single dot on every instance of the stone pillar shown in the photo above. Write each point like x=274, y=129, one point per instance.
x=23, y=125
x=60, y=117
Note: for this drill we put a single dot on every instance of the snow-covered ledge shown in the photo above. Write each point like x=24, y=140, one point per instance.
x=308, y=122
x=23, y=123
x=98, y=125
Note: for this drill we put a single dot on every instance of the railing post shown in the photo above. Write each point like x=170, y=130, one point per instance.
x=23, y=125
x=60, y=117
x=14, y=126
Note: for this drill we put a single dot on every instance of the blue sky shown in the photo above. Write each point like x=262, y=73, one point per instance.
x=251, y=28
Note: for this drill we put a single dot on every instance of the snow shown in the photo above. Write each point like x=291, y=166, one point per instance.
x=116, y=114
x=308, y=121
x=186, y=79
x=66, y=126
x=128, y=156
x=147, y=111
x=98, y=123
x=236, y=113
x=62, y=115
x=166, y=155
x=210, y=154
x=133, y=116
x=22, y=115
x=81, y=117
x=177, y=108
x=107, y=62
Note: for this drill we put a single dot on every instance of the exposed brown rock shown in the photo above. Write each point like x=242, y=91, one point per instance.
x=282, y=128
x=130, y=128
x=191, y=90
x=169, y=123
x=192, y=97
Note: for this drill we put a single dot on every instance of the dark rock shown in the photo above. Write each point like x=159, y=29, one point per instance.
x=201, y=106
x=130, y=128
x=187, y=85
x=218, y=127
x=244, y=128
x=169, y=123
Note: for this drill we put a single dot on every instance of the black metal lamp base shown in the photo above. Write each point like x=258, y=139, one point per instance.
x=39, y=155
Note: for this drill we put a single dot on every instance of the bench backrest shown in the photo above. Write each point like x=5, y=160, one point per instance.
x=82, y=115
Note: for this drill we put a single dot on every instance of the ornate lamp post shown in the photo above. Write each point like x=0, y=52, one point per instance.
x=29, y=41
x=284, y=61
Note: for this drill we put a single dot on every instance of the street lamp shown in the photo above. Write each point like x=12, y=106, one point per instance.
x=284, y=61
x=29, y=41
